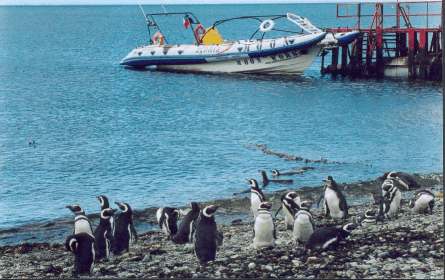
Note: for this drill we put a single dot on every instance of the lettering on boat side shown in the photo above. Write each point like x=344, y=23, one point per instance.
x=274, y=58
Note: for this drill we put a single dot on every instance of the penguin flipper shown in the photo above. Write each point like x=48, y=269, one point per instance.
x=319, y=199
x=134, y=234
x=278, y=211
x=327, y=213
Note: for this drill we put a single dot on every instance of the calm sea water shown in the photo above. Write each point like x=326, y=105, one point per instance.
x=152, y=138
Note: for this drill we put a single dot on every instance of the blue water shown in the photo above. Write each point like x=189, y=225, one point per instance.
x=152, y=138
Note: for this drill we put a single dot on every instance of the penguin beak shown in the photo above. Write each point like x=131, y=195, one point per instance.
x=120, y=205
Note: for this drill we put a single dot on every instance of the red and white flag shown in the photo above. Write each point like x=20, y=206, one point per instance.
x=186, y=22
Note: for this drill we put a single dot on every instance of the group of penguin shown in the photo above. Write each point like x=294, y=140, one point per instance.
x=112, y=235
x=298, y=218
x=198, y=225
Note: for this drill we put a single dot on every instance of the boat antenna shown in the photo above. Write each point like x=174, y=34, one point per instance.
x=146, y=21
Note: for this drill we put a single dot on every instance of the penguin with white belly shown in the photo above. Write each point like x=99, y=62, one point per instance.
x=186, y=227
x=290, y=203
x=167, y=218
x=103, y=234
x=81, y=222
x=206, y=235
x=124, y=232
x=256, y=197
x=303, y=226
x=422, y=202
x=335, y=205
x=391, y=199
x=328, y=237
x=264, y=228
x=82, y=246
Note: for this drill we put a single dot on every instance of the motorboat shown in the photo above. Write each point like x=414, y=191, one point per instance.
x=261, y=53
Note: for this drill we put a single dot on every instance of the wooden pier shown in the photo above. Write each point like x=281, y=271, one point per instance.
x=399, y=50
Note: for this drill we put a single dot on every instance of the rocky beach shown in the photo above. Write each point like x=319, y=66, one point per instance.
x=410, y=246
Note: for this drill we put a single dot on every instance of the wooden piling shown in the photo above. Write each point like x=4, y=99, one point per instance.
x=411, y=53
x=344, y=59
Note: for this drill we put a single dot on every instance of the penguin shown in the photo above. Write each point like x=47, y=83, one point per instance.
x=186, y=227
x=264, y=228
x=167, y=218
x=103, y=234
x=266, y=180
x=290, y=202
x=276, y=173
x=206, y=235
x=256, y=197
x=82, y=246
x=303, y=226
x=391, y=198
x=124, y=232
x=404, y=180
x=328, y=237
x=335, y=205
x=81, y=222
x=370, y=218
x=104, y=204
x=422, y=202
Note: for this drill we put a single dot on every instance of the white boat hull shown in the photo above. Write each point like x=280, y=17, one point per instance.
x=288, y=63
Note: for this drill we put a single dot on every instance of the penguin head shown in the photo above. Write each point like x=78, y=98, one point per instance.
x=291, y=195
x=103, y=200
x=370, y=213
x=387, y=186
x=253, y=183
x=275, y=172
x=329, y=182
x=76, y=209
x=195, y=206
x=306, y=204
x=125, y=207
x=107, y=213
x=71, y=243
x=349, y=227
x=266, y=205
x=209, y=211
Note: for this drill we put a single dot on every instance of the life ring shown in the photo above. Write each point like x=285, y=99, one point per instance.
x=267, y=25
x=199, y=32
x=158, y=38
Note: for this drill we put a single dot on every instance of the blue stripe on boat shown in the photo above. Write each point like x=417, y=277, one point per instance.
x=199, y=59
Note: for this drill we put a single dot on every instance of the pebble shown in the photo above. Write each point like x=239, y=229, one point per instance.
x=251, y=266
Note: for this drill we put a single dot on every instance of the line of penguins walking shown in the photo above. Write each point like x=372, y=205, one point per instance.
x=116, y=232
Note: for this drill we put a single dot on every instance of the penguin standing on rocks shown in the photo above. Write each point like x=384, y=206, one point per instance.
x=391, y=198
x=81, y=222
x=103, y=234
x=168, y=220
x=206, y=235
x=256, y=197
x=328, y=237
x=124, y=232
x=303, y=226
x=335, y=205
x=422, y=202
x=82, y=246
x=186, y=227
x=290, y=203
x=264, y=228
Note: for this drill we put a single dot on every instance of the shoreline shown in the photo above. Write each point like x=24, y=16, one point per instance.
x=234, y=208
x=410, y=246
